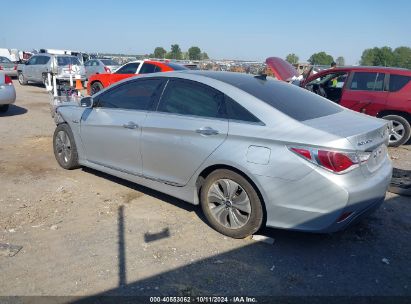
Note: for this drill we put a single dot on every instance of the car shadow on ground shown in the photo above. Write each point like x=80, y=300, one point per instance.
x=14, y=111
x=370, y=258
x=148, y=191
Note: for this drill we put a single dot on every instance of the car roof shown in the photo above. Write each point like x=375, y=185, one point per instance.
x=57, y=55
x=380, y=69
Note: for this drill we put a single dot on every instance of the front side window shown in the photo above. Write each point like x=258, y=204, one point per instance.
x=130, y=68
x=367, y=81
x=33, y=60
x=397, y=82
x=135, y=95
x=191, y=98
x=43, y=60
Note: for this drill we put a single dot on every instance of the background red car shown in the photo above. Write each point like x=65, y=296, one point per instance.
x=377, y=91
x=98, y=82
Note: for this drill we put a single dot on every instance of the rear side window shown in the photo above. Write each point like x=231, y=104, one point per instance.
x=135, y=95
x=366, y=81
x=237, y=112
x=191, y=98
x=397, y=82
x=148, y=68
x=176, y=67
x=130, y=68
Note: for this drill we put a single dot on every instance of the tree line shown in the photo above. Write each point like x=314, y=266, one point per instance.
x=384, y=56
x=193, y=53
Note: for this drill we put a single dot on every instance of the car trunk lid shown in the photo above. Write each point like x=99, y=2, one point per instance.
x=282, y=69
x=366, y=134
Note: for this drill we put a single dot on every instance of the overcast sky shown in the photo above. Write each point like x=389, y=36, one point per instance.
x=250, y=30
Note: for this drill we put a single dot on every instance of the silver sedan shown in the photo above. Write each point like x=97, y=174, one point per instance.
x=250, y=150
x=7, y=92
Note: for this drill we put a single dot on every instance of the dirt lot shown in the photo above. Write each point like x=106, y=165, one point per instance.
x=85, y=233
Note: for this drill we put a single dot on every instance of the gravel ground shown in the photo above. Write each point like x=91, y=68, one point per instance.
x=85, y=233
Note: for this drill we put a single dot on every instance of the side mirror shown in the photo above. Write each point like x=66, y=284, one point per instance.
x=87, y=102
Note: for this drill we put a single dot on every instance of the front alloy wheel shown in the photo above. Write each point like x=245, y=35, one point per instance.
x=65, y=149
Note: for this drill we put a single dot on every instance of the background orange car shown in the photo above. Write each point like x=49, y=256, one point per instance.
x=98, y=82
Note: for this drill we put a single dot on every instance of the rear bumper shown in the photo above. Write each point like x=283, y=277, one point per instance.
x=319, y=201
x=11, y=73
x=7, y=94
x=67, y=78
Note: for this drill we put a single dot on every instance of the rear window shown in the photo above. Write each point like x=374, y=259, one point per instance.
x=62, y=61
x=108, y=62
x=289, y=99
x=397, y=82
x=176, y=67
x=4, y=60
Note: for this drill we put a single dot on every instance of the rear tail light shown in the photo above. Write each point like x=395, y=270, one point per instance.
x=107, y=70
x=7, y=80
x=334, y=161
x=15, y=67
x=1, y=67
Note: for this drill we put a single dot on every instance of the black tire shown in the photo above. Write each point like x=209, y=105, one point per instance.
x=66, y=161
x=96, y=87
x=21, y=79
x=255, y=217
x=405, y=133
x=4, y=108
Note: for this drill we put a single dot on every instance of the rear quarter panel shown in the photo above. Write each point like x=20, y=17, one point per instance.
x=401, y=100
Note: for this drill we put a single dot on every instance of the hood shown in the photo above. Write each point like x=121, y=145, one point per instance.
x=282, y=69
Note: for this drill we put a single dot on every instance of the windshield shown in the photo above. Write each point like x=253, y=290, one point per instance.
x=108, y=62
x=67, y=60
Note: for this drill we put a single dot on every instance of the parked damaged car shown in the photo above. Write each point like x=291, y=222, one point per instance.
x=63, y=67
x=377, y=91
x=251, y=151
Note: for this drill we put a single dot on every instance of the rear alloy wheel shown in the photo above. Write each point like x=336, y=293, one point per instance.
x=96, y=87
x=231, y=204
x=64, y=147
x=400, y=132
x=4, y=108
x=22, y=81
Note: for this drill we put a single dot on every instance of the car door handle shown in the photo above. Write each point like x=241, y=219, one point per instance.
x=130, y=125
x=207, y=131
